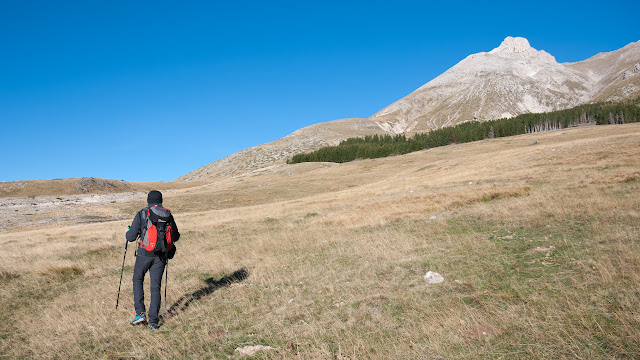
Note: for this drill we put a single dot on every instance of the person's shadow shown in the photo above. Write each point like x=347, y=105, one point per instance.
x=212, y=285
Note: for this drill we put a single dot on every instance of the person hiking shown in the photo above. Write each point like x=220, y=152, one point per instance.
x=158, y=232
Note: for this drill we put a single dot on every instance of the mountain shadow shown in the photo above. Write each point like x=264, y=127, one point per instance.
x=212, y=285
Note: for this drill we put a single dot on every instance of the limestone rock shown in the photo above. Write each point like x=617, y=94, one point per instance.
x=433, y=278
x=252, y=350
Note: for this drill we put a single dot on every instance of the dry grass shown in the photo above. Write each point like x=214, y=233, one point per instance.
x=538, y=245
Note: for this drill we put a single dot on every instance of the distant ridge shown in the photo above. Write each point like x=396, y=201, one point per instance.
x=79, y=186
x=510, y=80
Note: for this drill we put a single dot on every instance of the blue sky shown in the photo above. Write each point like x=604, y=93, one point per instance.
x=151, y=90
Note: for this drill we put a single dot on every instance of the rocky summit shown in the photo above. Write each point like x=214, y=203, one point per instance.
x=510, y=80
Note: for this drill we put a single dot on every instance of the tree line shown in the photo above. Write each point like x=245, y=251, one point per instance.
x=377, y=146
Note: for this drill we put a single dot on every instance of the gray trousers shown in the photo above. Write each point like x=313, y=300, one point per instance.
x=155, y=266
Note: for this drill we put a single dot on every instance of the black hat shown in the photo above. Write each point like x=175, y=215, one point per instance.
x=154, y=197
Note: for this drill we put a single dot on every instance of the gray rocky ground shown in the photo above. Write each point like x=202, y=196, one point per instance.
x=32, y=211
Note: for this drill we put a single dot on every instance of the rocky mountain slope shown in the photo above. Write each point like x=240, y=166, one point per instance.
x=513, y=79
x=613, y=76
x=274, y=154
x=509, y=80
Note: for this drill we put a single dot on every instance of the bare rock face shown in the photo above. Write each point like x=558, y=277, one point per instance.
x=514, y=45
x=611, y=74
x=520, y=47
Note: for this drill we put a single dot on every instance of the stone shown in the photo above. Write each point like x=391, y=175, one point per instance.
x=252, y=349
x=433, y=278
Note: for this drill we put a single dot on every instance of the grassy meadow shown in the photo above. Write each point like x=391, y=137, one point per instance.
x=537, y=237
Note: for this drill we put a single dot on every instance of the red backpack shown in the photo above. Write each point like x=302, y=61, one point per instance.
x=156, y=230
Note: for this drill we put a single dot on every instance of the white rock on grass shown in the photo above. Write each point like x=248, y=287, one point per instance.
x=433, y=278
x=252, y=350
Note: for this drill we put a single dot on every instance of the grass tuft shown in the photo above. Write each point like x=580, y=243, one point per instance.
x=63, y=272
x=6, y=276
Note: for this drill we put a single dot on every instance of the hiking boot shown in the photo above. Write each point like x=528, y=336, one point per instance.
x=154, y=327
x=139, y=319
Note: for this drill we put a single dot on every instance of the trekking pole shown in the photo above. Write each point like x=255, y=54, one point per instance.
x=121, y=272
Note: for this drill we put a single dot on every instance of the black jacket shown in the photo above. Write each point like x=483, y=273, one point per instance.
x=136, y=230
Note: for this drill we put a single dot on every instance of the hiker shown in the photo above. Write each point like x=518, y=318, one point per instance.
x=157, y=230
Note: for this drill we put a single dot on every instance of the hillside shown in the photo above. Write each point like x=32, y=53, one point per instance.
x=376, y=146
x=274, y=154
x=86, y=185
x=510, y=80
x=535, y=237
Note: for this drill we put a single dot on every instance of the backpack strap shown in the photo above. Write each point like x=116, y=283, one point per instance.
x=143, y=226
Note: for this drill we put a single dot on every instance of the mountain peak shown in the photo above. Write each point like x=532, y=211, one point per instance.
x=513, y=45
x=520, y=47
